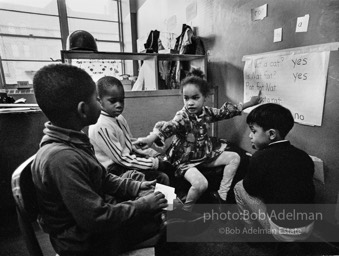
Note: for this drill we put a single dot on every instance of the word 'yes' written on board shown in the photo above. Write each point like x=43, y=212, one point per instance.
x=294, y=80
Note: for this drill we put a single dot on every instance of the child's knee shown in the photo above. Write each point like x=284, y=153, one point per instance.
x=238, y=188
x=234, y=160
x=202, y=185
x=231, y=158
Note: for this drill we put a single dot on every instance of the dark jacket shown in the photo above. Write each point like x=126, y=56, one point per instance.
x=78, y=200
x=281, y=175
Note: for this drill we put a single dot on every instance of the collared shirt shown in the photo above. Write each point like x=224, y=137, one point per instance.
x=279, y=141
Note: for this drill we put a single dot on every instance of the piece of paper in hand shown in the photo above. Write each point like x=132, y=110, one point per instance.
x=169, y=194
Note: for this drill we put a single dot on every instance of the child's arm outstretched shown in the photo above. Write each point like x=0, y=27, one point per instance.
x=162, y=131
x=153, y=137
x=113, y=151
x=255, y=100
x=229, y=110
x=145, y=142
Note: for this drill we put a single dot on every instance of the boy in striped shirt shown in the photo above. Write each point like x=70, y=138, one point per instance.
x=112, y=138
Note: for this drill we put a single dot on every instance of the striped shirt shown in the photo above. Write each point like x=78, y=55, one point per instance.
x=112, y=141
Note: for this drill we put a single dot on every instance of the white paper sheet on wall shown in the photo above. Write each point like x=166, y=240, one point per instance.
x=277, y=35
x=259, y=13
x=295, y=79
x=302, y=23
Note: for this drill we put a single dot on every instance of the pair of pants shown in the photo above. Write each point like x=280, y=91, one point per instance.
x=148, y=175
x=248, y=205
x=161, y=177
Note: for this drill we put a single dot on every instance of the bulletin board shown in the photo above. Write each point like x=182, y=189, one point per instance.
x=295, y=78
x=98, y=68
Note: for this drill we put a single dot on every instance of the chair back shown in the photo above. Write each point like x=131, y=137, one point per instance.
x=24, y=194
x=27, y=209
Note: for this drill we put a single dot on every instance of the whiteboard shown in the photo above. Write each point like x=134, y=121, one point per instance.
x=296, y=80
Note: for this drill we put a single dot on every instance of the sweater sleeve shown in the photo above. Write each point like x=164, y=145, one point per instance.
x=107, y=140
x=123, y=187
x=164, y=130
x=227, y=110
x=73, y=181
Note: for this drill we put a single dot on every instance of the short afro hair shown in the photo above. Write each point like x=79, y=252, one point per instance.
x=59, y=88
x=105, y=82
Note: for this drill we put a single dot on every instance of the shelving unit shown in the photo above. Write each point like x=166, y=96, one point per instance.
x=150, y=60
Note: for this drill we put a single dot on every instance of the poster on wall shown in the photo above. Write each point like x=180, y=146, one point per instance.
x=99, y=68
x=296, y=80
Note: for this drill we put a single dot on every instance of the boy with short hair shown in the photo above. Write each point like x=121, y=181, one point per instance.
x=279, y=178
x=112, y=138
x=85, y=210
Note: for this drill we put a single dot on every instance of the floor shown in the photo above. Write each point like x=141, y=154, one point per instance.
x=208, y=242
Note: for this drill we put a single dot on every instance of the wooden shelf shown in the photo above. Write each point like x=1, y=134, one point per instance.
x=128, y=56
x=150, y=60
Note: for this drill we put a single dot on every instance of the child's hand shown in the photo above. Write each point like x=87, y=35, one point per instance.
x=139, y=152
x=155, y=201
x=142, y=143
x=255, y=100
x=147, y=184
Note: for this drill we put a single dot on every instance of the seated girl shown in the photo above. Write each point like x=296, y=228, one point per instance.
x=192, y=147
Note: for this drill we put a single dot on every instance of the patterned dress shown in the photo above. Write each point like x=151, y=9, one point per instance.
x=191, y=145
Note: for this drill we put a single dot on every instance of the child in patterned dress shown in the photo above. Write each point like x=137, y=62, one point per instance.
x=191, y=146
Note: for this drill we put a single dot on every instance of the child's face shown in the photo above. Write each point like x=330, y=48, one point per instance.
x=259, y=138
x=193, y=99
x=113, y=101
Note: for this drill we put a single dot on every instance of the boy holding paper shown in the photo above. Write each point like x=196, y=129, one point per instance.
x=86, y=210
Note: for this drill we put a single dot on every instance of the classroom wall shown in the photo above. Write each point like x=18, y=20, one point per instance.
x=228, y=34
x=20, y=134
x=143, y=109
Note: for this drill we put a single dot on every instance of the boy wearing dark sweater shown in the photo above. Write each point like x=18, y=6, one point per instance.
x=279, y=179
x=85, y=210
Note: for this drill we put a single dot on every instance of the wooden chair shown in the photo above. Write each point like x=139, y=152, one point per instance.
x=27, y=212
x=26, y=205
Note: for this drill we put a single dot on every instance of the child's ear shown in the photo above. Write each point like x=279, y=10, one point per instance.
x=82, y=109
x=99, y=100
x=272, y=134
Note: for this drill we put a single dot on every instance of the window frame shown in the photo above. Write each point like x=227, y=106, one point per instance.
x=64, y=32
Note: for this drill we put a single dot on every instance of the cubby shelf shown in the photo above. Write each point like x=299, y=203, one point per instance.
x=150, y=60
